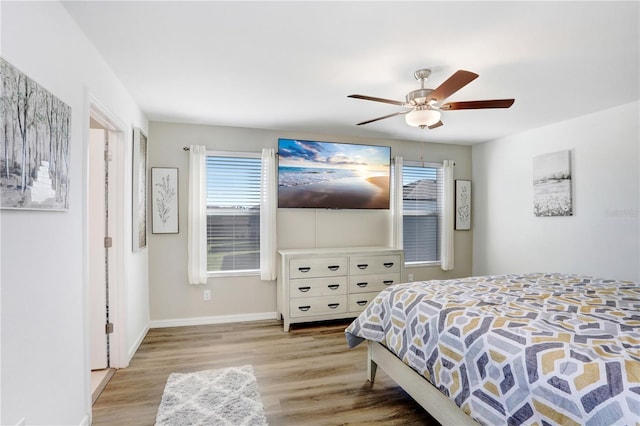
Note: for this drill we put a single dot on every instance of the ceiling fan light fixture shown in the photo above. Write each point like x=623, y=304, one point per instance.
x=427, y=104
x=422, y=117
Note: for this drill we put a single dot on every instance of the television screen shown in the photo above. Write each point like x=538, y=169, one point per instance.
x=331, y=175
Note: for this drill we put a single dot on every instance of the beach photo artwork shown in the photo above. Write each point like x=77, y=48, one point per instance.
x=331, y=175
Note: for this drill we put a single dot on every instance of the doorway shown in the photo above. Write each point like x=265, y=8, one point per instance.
x=98, y=252
x=104, y=262
x=98, y=224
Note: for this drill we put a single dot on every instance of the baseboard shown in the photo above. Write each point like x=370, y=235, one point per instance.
x=136, y=345
x=220, y=319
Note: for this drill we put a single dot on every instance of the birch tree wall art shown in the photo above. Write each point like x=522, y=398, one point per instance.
x=35, y=129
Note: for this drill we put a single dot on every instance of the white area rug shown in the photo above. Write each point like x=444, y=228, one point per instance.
x=227, y=396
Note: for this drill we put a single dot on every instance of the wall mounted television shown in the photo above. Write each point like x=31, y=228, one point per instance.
x=332, y=175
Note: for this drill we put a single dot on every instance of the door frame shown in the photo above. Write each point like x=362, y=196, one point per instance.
x=97, y=209
x=117, y=277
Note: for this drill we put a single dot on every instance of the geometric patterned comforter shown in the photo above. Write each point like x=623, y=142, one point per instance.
x=533, y=349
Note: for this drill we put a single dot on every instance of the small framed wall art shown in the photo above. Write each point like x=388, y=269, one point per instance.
x=552, y=184
x=164, y=200
x=139, y=190
x=463, y=205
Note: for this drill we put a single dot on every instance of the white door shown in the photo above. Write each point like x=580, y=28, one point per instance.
x=97, y=225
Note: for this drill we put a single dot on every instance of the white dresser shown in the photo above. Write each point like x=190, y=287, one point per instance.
x=333, y=283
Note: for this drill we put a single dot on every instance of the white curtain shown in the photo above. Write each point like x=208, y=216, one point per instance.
x=268, y=202
x=396, y=204
x=197, y=216
x=446, y=242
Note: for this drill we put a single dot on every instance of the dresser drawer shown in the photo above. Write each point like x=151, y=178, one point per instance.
x=311, y=287
x=377, y=283
x=323, y=305
x=374, y=264
x=359, y=301
x=318, y=267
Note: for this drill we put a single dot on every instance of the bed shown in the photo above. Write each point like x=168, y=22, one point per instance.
x=534, y=349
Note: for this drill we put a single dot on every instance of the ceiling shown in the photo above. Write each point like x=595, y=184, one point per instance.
x=290, y=65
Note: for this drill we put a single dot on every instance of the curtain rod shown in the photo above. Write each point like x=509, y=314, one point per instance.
x=186, y=148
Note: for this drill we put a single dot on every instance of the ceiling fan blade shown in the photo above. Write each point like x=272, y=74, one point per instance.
x=372, y=98
x=434, y=126
x=495, y=103
x=383, y=117
x=454, y=83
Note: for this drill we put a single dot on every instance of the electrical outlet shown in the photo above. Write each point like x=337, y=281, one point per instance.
x=206, y=295
x=410, y=278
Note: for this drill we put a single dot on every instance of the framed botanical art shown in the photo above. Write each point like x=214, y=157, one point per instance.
x=139, y=190
x=164, y=200
x=463, y=205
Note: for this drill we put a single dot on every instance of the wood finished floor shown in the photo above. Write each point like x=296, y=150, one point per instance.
x=305, y=377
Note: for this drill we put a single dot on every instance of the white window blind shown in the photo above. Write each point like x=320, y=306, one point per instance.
x=422, y=210
x=233, y=213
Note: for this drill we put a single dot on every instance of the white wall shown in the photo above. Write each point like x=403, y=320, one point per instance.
x=602, y=238
x=174, y=301
x=45, y=370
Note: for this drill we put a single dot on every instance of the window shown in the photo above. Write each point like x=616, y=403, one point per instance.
x=422, y=206
x=233, y=212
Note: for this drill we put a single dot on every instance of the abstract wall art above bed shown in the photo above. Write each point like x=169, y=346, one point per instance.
x=552, y=195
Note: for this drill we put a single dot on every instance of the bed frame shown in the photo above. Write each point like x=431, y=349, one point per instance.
x=444, y=410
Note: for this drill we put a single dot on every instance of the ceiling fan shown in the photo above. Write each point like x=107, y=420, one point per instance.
x=426, y=104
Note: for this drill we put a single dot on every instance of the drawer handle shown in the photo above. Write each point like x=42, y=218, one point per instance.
x=304, y=308
x=333, y=305
x=304, y=289
x=362, y=285
x=304, y=269
x=387, y=282
x=388, y=264
x=333, y=267
x=363, y=265
x=333, y=286
x=361, y=302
